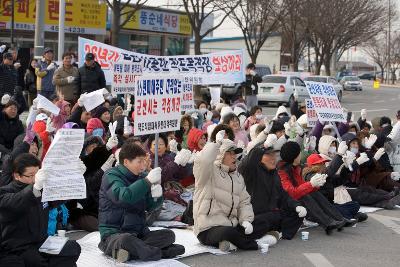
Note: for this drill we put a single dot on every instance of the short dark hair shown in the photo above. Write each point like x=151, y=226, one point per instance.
x=24, y=161
x=229, y=117
x=66, y=54
x=130, y=151
x=202, y=102
x=260, y=128
x=251, y=66
x=254, y=109
x=153, y=137
x=221, y=127
x=276, y=127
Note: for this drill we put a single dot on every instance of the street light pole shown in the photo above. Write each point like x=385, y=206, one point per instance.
x=61, y=29
x=12, y=24
x=39, y=28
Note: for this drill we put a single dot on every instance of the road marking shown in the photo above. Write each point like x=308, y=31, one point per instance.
x=318, y=260
x=372, y=110
x=389, y=222
x=379, y=101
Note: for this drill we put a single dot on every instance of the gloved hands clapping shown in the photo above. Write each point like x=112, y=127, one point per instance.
x=154, y=176
x=248, y=227
x=318, y=180
x=369, y=142
x=301, y=211
x=379, y=153
x=342, y=148
x=348, y=160
x=183, y=157
x=363, y=158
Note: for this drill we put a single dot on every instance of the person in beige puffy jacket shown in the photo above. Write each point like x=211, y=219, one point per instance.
x=65, y=80
x=222, y=211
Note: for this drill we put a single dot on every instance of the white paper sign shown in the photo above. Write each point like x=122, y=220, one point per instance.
x=124, y=77
x=93, y=100
x=325, y=102
x=187, y=97
x=312, y=116
x=44, y=103
x=65, y=180
x=157, y=105
x=215, y=92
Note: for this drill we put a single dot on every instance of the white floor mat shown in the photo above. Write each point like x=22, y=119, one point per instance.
x=91, y=256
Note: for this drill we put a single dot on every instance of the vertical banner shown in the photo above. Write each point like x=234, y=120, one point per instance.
x=312, y=117
x=157, y=105
x=325, y=102
x=124, y=77
x=187, y=97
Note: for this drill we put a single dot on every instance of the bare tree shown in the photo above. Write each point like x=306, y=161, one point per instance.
x=394, y=60
x=122, y=12
x=336, y=26
x=257, y=19
x=375, y=48
x=199, y=10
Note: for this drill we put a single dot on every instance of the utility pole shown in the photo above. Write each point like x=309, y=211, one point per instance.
x=61, y=29
x=12, y=23
x=39, y=28
x=389, y=41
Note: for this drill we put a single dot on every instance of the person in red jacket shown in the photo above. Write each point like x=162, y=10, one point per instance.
x=318, y=207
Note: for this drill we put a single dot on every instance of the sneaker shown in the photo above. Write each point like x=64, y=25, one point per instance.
x=121, y=255
x=361, y=217
x=226, y=246
x=268, y=239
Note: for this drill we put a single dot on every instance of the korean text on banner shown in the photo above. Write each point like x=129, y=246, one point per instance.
x=62, y=163
x=157, y=105
x=216, y=68
x=325, y=101
x=124, y=75
x=312, y=117
x=187, y=102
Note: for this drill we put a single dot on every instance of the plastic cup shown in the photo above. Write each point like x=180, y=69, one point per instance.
x=61, y=233
x=304, y=235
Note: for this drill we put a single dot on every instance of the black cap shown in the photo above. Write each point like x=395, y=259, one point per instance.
x=8, y=55
x=237, y=150
x=251, y=66
x=48, y=49
x=89, y=56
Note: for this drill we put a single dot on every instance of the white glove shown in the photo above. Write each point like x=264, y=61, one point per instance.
x=369, y=142
x=81, y=99
x=183, y=157
x=109, y=163
x=395, y=176
x=363, y=158
x=112, y=142
x=278, y=144
x=379, y=153
x=51, y=66
x=49, y=127
x=313, y=143
x=363, y=114
x=270, y=141
x=2, y=48
x=195, y=116
x=348, y=160
x=301, y=211
x=220, y=136
x=209, y=115
x=127, y=127
x=288, y=129
x=154, y=176
x=318, y=180
x=299, y=130
x=173, y=146
x=156, y=191
x=342, y=148
x=40, y=178
x=5, y=99
x=17, y=65
x=295, y=94
x=70, y=79
x=248, y=227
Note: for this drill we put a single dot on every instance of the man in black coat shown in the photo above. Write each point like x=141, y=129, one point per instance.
x=10, y=127
x=270, y=201
x=24, y=219
x=91, y=76
x=8, y=75
x=250, y=86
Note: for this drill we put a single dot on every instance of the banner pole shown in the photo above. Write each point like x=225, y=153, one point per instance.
x=156, y=150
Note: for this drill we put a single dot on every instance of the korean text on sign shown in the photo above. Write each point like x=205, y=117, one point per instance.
x=325, y=101
x=157, y=105
x=124, y=77
x=312, y=117
x=187, y=97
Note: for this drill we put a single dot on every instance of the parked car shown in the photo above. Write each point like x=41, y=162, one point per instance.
x=351, y=83
x=280, y=89
x=326, y=79
x=367, y=76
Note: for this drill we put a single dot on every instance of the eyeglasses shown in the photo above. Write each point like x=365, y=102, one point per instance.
x=28, y=176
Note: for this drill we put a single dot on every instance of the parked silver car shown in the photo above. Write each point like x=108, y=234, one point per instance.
x=326, y=79
x=351, y=83
x=280, y=89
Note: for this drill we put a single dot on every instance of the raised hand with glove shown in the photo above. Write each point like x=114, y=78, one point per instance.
x=248, y=227
x=154, y=176
x=220, y=136
x=3, y=48
x=5, y=99
x=395, y=176
x=81, y=99
x=301, y=211
x=40, y=178
x=112, y=142
x=379, y=153
x=173, y=146
x=364, y=114
x=271, y=140
x=109, y=163
x=363, y=158
x=318, y=180
x=51, y=66
x=183, y=157
x=369, y=142
x=348, y=159
x=127, y=127
x=342, y=148
x=156, y=191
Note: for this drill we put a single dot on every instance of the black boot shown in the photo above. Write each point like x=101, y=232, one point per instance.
x=350, y=223
x=172, y=251
x=361, y=217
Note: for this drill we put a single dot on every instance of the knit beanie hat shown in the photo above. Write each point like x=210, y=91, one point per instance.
x=290, y=151
x=96, y=113
x=193, y=138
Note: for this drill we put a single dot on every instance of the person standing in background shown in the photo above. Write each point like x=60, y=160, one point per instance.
x=44, y=72
x=65, y=79
x=250, y=86
x=30, y=81
x=91, y=76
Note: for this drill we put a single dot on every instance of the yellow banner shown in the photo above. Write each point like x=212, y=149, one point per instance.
x=87, y=14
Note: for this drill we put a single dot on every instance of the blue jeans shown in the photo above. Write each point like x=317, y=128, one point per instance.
x=349, y=209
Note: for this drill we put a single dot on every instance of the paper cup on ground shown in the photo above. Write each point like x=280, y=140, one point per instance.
x=61, y=233
x=304, y=235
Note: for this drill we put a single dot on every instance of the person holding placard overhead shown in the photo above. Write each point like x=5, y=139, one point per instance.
x=125, y=195
x=24, y=218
